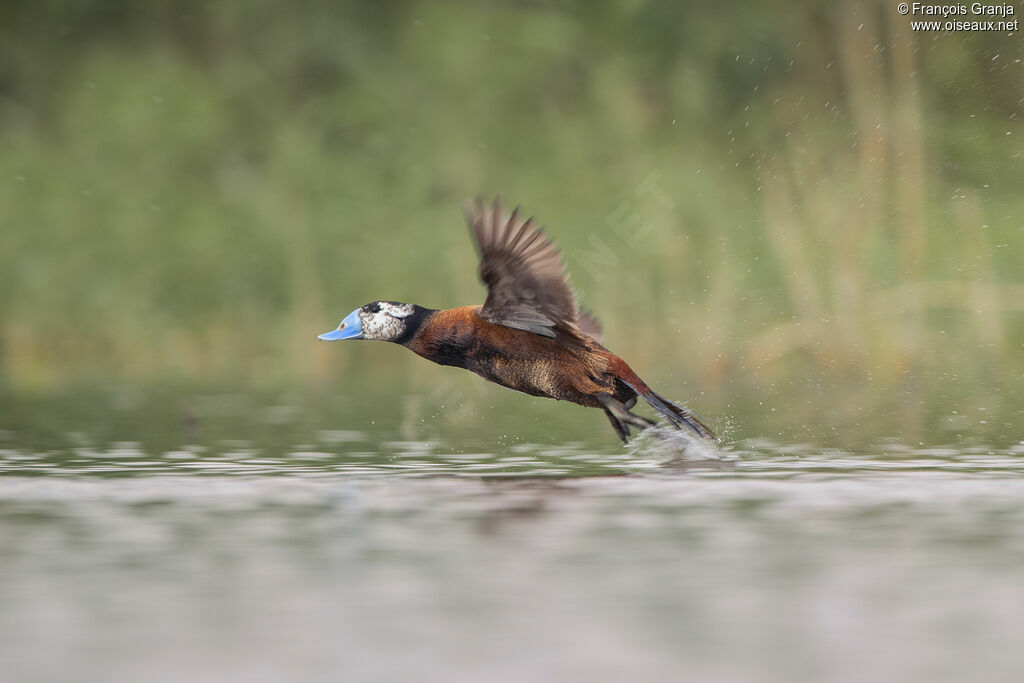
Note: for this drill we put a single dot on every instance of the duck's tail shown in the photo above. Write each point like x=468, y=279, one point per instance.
x=677, y=415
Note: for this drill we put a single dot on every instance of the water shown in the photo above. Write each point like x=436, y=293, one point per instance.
x=316, y=552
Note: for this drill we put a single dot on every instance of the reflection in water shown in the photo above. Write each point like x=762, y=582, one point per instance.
x=355, y=558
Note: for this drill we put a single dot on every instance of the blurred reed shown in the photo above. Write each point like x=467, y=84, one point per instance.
x=813, y=209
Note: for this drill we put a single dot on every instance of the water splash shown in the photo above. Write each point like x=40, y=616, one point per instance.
x=675, y=448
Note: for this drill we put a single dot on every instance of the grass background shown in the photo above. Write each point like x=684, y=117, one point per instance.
x=801, y=217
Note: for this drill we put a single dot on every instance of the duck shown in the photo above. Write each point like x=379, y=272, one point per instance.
x=529, y=335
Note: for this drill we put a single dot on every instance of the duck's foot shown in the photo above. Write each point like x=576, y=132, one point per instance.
x=620, y=417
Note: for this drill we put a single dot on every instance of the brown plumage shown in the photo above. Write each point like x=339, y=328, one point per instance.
x=529, y=335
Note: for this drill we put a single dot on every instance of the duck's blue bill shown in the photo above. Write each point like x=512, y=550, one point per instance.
x=350, y=328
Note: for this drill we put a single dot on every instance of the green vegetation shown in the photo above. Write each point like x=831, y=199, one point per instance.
x=795, y=210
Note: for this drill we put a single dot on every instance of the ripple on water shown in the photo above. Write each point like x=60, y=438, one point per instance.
x=652, y=454
x=350, y=561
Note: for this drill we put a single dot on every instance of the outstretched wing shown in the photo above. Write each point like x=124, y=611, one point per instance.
x=527, y=286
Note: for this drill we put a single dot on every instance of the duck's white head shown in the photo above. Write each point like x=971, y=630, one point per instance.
x=380, y=320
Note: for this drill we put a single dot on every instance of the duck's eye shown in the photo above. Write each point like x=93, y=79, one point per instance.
x=373, y=308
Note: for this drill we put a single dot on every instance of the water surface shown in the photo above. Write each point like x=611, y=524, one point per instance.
x=357, y=554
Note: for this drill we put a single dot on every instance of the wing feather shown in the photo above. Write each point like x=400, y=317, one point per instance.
x=527, y=285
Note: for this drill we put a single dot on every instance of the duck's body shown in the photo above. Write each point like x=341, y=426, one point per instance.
x=520, y=360
x=529, y=335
